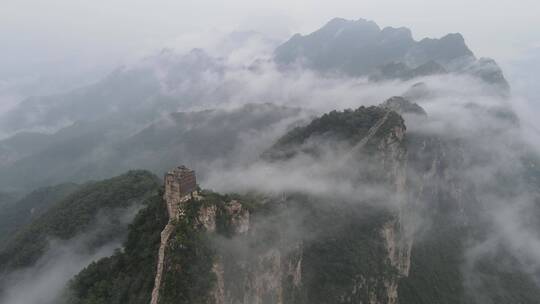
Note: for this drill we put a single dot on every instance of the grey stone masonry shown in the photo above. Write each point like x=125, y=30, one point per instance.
x=180, y=185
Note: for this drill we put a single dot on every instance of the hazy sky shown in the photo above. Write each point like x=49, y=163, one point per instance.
x=68, y=36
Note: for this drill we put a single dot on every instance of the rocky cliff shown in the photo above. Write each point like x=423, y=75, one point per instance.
x=276, y=250
x=400, y=233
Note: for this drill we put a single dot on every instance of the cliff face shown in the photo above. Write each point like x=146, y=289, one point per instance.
x=301, y=248
x=266, y=276
x=405, y=240
x=243, y=269
x=296, y=248
x=453, y=207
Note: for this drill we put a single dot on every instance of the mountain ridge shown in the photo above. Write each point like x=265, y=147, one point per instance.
x=361, y=48
x=408, y=201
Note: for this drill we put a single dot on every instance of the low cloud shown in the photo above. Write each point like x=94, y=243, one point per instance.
x=462, y=110
x=45, y=282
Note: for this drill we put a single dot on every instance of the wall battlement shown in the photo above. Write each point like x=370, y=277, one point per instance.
x=180, y=186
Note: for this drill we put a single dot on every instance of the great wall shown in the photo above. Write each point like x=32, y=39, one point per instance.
x=180, y=187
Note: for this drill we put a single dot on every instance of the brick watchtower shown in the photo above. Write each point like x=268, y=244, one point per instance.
x=180, y=186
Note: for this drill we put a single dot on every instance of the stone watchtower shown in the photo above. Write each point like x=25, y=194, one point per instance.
x=180, y=186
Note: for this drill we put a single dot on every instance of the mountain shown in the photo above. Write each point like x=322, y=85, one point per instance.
x=399, y=70
x=72, y=214
x=128, y=275
x=169, y=81
x=88, y=223
x=429, y=197
x=20, y=212
x=21, y=145
x=406, y=233
x=348, y=126
x=100, y=130
x=403, y=106
x=163, y=82
x=104, y=148
x=362, y=48
x=141, y=91
x=236, y=249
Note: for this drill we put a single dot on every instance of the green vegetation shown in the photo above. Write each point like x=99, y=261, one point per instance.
x=348, y=126
x=163, y=141
x=439, y=274
x=441, y=269
x=128, y=275
x=21, y=212
x=342, y=252
x=346, y=253
x=188, y=275
x=76, y=213
x=436, y=274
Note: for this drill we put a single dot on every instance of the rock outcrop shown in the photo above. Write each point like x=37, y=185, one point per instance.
x=256, y=259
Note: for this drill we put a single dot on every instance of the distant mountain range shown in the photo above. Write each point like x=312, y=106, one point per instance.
x=109, y=146
x=362, y=48
x=428, y=197
x=91, y=125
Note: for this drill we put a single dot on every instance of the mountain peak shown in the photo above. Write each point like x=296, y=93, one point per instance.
x=341, y=22
x=361, y=48
x=397, y=32
x=449, y=48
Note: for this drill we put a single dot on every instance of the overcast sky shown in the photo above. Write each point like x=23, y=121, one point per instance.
x=69, y=36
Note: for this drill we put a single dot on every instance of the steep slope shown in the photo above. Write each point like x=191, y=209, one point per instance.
x=75, y=214
x=140, y=91
x=455, y=221
x=412, y=242
x=91, y=124
x=355, y=47
x=163, y=82
x=349, y=126
x=23, y=211
x=362, y=48
x=457, y=257
x=256, y=249
x=357, y=249
x=128, y=275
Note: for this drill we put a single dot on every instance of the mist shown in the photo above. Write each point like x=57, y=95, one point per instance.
x=492, y=135
x=68, y=44
x=46, y=281
x=197, y=84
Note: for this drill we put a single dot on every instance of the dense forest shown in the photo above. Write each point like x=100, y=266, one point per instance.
x=76, y=213
x=128, y=275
